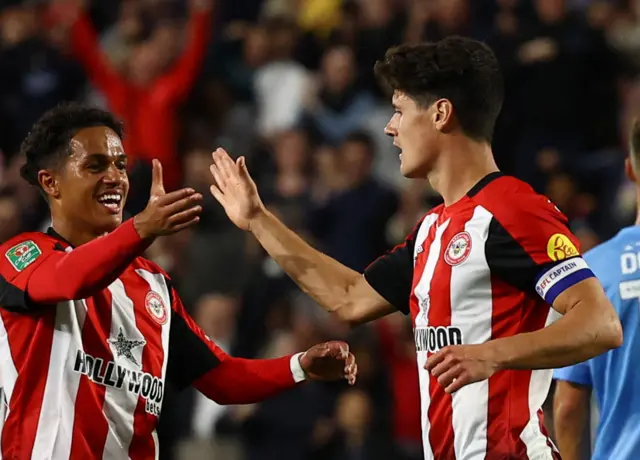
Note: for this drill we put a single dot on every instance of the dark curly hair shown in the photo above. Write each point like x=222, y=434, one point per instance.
x=48, y=143
x=462, y=70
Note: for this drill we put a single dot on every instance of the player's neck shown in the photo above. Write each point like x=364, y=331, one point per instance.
x=72, y=233
x=460, y=166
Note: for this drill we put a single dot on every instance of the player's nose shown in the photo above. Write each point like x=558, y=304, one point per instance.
x=389, y=130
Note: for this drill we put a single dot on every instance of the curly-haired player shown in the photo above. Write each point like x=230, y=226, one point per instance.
x=91, y=333
x=479, y=275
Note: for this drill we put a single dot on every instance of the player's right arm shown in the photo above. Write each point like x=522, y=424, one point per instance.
x=354, y=298
x=571, y=409
x=36, y=271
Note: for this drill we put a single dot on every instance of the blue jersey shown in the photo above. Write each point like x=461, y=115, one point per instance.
x=615, y=375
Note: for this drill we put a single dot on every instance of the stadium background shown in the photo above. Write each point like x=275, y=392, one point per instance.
x=289, y=84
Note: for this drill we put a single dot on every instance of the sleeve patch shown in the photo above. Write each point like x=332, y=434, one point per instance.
x=560, y=247
x=23, y=254
x=562, y=276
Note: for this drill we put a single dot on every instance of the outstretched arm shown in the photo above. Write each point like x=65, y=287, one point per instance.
x=55, y=274
x=337, y=288
x=196, y=360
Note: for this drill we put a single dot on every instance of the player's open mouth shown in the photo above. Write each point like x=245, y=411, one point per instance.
x=112, y=201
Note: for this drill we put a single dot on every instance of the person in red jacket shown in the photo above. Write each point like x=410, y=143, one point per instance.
x=147, y=103
x=91, y=333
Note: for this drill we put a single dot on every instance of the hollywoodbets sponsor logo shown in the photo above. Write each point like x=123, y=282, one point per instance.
x=432, y=339
x=110, y=374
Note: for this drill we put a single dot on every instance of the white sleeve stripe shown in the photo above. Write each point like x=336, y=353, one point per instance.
x=296, y=369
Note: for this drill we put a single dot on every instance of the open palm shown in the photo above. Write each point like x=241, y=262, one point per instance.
x=234, y=189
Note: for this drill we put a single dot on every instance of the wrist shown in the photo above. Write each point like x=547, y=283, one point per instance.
x=258, y=222
x=297, y=372
x=498, y=353
x=140, y=228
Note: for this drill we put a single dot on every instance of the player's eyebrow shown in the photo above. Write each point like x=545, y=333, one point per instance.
x=103, y=156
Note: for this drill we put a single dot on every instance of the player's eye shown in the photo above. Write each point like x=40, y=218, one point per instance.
x=121, y=165
x=94, y=167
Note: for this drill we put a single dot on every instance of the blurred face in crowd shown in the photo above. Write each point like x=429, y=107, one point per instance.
x=291, y=150
x=216, y=315
x=356, y=161
x=146, y=63
x=413, y=131
x=550, y=11
x=9, y=218
x=354, y=411
x=90, y=188
x=338, y=68
x=196, y=169
x=256, y=46
x=17, y=24
x=452, y=14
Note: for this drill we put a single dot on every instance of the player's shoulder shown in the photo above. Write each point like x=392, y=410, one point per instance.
x=21, y=251
x=513, y=202
x=426, y=220
x=142, y=263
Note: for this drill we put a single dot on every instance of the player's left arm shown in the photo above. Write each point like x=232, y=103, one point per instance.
x=589, y=325
x=194, y=359
x=532, y=249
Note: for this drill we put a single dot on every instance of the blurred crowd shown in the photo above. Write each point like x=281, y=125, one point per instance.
x=289, y=85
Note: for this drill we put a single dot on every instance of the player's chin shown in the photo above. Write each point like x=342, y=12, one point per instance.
x=409, y=171
x=108, y=221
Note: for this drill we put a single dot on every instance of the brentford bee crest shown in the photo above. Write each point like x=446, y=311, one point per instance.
x=155, y=307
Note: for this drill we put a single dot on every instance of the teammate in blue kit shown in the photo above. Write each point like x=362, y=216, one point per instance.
x=615, y=375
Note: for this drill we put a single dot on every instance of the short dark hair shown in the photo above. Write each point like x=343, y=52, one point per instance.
x=48, y=143
x=462, y=70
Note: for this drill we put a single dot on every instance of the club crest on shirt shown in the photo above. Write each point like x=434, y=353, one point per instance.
x=155, y=307
x=458, y=249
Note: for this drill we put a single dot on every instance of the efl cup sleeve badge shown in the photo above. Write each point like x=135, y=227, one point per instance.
x=459, y=249
x=155, y=307
x=560, y=247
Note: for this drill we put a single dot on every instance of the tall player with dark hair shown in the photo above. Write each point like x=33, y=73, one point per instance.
x=479, y=275
x=91, y=333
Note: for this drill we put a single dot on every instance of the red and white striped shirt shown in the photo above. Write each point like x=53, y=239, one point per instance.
x=485, y=267
x=85, y=379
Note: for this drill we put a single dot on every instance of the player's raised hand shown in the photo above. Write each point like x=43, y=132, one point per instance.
x=459, y=365
x=234, y=189
x=167, y=213
x=330, y=361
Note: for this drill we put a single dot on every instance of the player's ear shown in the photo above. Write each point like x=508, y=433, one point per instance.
x=49, y=183
x=628, y=169
x=443, y=114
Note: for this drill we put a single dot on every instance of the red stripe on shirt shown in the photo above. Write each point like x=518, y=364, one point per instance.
x=441, y=434
x=30, y=340
x=90, y=426
x=142, y=444
x=514, y=312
